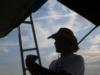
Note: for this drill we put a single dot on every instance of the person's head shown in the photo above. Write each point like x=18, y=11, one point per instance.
x=65, y=41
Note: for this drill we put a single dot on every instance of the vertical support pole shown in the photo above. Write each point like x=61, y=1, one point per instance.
x=21, y=51
x=34, y=35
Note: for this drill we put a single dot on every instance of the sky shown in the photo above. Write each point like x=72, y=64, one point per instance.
x=47, y=20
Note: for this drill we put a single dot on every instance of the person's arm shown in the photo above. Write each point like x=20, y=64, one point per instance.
x=43, y=71
x=36, y=69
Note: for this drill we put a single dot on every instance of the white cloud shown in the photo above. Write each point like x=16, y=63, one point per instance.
x=92, y=54
x=51, y=5
x=41, y=33
x=10, y=39
x=52, y=13
x=93, y=49
x=6, y=45
x=96, y=39
x=27, y=36
x=72, y=23
x=52, y=56
x=8, y=42
x=92, y=57
x=3, y=49
x=55, y=16
x=42, y=36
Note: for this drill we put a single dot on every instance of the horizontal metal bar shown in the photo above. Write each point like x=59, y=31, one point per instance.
x=30, y=49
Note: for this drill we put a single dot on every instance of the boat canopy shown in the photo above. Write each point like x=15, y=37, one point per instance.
x=14, y=12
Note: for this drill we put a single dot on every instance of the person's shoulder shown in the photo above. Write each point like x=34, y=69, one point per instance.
x=52, y=64
x=79, y=57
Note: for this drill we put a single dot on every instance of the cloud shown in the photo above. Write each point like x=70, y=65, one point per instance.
x=53, y=12
x=41, y=34
x=93, y=49
x=54, y=16
x=52, y=56
x=4, y=49
x=96, y=39
x=27, y=37
x=8, y=42
x=11, y=39
x=91, y=57
x=91, y=54
x=51, y=5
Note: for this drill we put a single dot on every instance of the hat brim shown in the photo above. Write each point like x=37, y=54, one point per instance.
x=54, y=36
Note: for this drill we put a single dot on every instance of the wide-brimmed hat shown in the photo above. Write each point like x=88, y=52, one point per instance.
x=65, y=33
x=62, y=32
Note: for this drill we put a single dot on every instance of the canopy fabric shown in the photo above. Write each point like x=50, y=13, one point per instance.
x=90, y=9
x=13, y=12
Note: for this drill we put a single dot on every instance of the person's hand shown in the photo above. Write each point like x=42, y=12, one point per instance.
x=30, y=60
x=31, y=65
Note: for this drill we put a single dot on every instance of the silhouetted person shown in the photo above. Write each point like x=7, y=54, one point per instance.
x=68, y=64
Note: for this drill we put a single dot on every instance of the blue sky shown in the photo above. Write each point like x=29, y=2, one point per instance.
x=48, y=20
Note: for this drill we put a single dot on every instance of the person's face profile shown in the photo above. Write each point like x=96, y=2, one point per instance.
x=61, y=45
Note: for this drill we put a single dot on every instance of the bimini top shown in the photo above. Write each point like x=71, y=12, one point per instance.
x=13, y=12
x=90, y=9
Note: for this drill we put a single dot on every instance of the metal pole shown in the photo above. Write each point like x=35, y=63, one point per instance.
x=87, y=34
x=21, y=51
x=34, y=34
